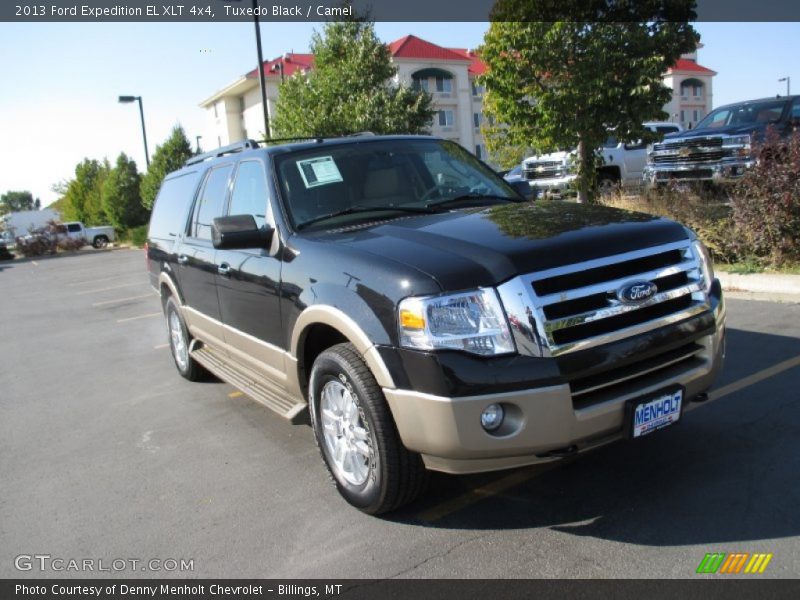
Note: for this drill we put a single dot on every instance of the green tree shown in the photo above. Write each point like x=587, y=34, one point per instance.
x=121, y=200
x=350, y=89
x=83, y=197
x=16, y=201
x=167, y=158
x=560, y=74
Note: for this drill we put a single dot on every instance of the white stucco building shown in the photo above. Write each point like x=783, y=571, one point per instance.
x=448, y=74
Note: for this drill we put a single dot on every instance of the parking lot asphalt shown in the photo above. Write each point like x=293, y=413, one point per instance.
x=106, y=453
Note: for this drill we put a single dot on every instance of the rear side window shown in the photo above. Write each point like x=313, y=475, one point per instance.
x=73, y=228
x=211, y=202
x=172, y=204
x=249, y=195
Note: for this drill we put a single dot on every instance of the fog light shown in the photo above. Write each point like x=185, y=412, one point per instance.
x=492, y=417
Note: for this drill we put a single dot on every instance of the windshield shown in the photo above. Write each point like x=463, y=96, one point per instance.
x=335, y=185
x=744, y=114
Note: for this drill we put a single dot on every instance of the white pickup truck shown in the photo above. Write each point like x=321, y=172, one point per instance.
x=99, y=237
x=623, y=164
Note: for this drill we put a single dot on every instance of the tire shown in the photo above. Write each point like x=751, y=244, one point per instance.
x=179, y=340
x=357, y=437
x=607, y=184
x=101, y=241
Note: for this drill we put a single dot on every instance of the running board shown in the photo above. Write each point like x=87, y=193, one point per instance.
x=257, y=386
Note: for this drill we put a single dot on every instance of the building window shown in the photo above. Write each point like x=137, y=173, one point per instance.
x=477, y=90
x=478, y=151
x=683, y=116
x=695, y=115
x=691, y=87
x=477, y=119
x=419, y=83
x=444, y=84
x=216, y=114
x=446, y=118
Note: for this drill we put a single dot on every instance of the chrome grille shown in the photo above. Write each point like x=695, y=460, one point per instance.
x=575, y=307
x=698, y=142
x=692, y=157
x=543, y=170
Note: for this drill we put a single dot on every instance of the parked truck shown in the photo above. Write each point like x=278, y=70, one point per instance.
x=99, y=236
x=719, y=149
x=554, y=174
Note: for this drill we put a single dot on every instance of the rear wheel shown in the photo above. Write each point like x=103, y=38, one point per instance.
x=357, y=436
x=101, y=241
x=179, y=341
x=607, y=184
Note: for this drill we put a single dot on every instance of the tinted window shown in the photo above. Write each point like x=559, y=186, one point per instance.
x=249, y=195
x=666, y=129
x=745, y=114
x=405, y=174
x=172, y=204
x=211, y=202
x=796, y=110
x=73, y=227
x=611, y=142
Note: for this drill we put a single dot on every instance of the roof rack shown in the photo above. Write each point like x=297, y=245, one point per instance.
x=315, y=138
x=230, y=149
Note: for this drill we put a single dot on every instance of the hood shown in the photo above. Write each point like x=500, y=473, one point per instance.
x=707, y=131
x=481, y=247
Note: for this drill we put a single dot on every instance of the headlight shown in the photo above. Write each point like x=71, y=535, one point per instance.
x=471, y=321
x=740, y=145
x=706, y=264
x=737, y=140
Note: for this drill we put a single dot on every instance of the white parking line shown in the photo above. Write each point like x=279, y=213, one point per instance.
x=147, y=316
x=160, y=346
x=113, y=287
x=122, y=300
x=34, y=263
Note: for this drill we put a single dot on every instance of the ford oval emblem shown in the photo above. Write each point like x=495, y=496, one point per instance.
x=636, y=291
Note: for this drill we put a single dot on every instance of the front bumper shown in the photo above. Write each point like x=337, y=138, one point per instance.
x=726, y=171
x=555, y=185
x=543, y=423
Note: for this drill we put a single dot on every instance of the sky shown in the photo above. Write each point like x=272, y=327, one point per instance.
x=61, y=81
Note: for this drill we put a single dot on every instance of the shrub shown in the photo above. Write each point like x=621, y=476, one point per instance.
x=766, y=202
x=138, y=235
x=701, y=210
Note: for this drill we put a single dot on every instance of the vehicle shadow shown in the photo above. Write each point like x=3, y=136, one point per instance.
x=728, y=471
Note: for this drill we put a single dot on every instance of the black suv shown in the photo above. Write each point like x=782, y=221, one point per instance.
x=408, y=302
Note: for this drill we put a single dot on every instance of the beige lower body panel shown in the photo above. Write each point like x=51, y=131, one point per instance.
x=448, y=434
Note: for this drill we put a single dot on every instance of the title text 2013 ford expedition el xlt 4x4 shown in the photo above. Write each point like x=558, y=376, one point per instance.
x=422, y=313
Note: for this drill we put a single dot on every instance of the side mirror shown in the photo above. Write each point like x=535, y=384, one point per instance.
x=524, y=189
x=237, y=232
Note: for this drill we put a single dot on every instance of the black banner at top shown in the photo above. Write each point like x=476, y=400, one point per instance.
x=192, y=11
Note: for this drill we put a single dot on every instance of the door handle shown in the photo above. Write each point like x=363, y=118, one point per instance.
x=224, y=269
x=182, y=259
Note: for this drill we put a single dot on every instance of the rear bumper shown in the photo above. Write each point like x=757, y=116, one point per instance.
x=542, y=423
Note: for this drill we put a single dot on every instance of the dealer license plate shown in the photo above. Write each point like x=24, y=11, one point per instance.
x=656, y=412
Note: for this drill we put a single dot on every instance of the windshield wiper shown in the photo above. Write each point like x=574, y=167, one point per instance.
x=469, y=197
x=352, y=210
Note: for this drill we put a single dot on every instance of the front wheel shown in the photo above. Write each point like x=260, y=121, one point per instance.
x=357, y=436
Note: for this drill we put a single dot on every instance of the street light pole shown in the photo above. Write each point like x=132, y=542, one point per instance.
x=261, y=81
x=788, y=81
x=126, y=100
